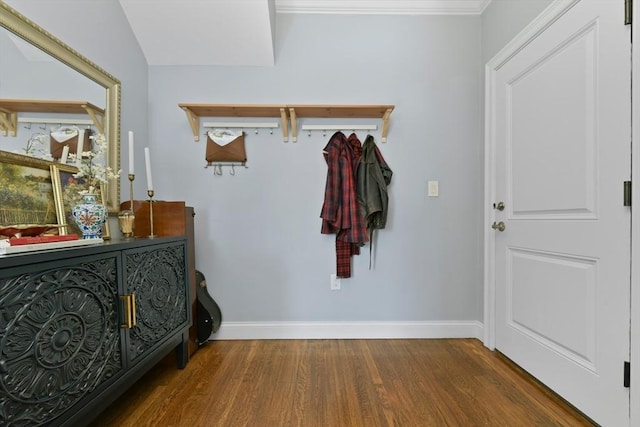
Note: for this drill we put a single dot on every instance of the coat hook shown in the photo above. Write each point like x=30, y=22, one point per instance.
x=233, y=170
x=309, y=133
x=256, y=131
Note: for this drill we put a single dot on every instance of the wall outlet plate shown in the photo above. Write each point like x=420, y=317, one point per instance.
x=335, y=283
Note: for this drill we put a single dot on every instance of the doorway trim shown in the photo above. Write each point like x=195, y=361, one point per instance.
x=635, y=231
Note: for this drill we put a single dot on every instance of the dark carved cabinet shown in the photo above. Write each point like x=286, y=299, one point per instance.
x=157, y=276
x=79, y=326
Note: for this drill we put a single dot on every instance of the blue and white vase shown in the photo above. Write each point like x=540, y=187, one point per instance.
x=90, y=216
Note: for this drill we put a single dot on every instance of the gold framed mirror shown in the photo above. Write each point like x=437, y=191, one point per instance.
x=24, y=28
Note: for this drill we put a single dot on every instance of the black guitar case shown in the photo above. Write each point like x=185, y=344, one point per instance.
x=209, y=315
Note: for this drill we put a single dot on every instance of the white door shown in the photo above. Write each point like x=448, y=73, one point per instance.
x=562, y=127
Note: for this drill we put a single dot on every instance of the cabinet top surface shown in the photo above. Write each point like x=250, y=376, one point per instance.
x=20, y=259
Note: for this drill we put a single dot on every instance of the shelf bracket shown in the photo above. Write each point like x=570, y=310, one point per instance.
x=194, y=122
x=8, y=122
x=285, y=125
x=98, y=119
x=385, y=124
x=294, y=124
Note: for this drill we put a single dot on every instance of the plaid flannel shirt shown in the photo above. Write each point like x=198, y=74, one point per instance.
x=340, y=212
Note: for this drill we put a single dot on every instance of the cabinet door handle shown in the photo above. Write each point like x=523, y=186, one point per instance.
x=134, y=319
x=129, y=311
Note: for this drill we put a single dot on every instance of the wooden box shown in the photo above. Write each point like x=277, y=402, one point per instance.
x=168, y=218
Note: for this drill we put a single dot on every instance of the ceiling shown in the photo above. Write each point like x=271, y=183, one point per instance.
x=242, y=32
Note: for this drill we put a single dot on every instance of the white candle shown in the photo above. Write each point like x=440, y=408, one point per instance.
x=131, y=163
x=147, y=161
x=65, y=154
x=79, y=150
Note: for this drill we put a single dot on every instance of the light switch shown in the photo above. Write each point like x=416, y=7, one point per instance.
x=432, y=189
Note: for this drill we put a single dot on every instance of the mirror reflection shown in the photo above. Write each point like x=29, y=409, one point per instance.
x=46, y=86
x=28, y=73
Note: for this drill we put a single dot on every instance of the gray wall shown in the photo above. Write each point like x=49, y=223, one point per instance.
x=258, y=232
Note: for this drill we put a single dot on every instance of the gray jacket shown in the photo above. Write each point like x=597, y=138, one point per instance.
x=372, y=178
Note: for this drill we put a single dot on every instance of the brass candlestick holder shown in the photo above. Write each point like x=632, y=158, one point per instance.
x=126, y=217
x=151, y=235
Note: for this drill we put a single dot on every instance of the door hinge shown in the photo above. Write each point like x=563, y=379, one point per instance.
x=627, y=374
x=627, y=193
x=628, y=12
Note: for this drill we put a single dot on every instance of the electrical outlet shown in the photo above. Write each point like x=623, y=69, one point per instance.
x=335, y=283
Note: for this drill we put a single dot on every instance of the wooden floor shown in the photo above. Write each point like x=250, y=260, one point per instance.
x=336, y=383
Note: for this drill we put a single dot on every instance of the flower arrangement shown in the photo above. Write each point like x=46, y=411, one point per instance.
x=91, y=167
x=36, y=146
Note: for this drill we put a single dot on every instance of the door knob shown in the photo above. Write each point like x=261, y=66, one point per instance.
x=499, y=206
x=498, y=226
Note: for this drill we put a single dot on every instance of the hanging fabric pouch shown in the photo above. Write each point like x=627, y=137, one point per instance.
x=225, y=146
x=69, y=136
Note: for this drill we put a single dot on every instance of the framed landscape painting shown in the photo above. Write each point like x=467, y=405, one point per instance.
x=26, y=191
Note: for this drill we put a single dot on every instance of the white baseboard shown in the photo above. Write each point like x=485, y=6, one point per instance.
x=348, y=330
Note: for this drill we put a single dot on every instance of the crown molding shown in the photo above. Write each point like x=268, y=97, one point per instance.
x=383, y=7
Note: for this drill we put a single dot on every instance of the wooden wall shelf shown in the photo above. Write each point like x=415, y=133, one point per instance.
x=286, y=113
x=9, y=109
x=341, y=111
x=195, y=111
